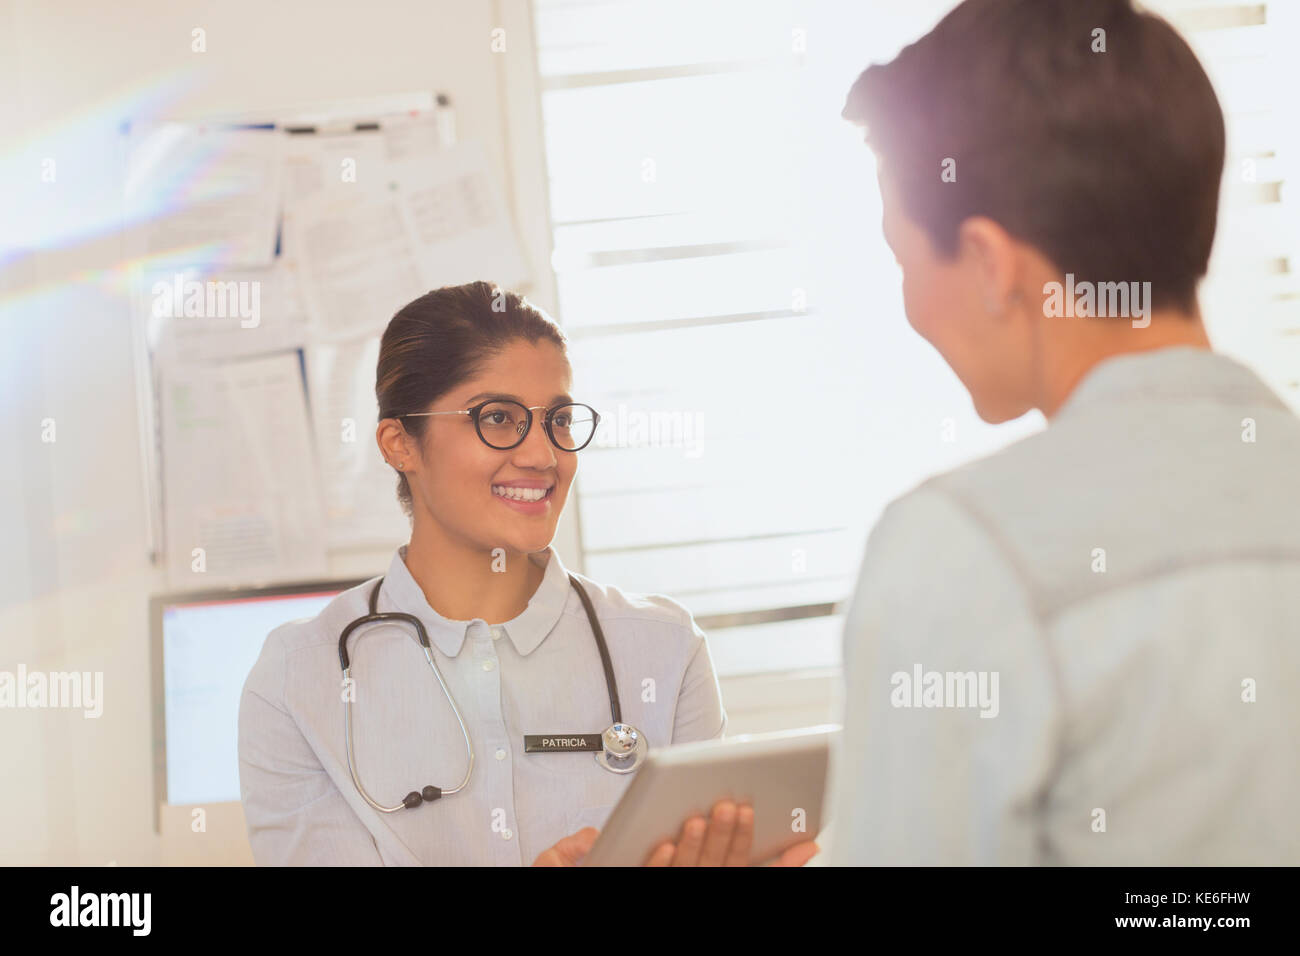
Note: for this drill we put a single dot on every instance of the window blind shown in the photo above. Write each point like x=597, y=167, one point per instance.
x=735, y=315
x=1251, y=297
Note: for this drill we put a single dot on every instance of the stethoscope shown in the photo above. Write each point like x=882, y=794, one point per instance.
x=620, y=749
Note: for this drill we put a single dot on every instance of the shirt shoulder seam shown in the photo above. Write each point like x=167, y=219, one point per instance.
x=1002, y=548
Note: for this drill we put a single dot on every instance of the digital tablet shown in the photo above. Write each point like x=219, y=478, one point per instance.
x=782, y=775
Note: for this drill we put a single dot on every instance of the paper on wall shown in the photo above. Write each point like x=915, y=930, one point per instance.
x=457, y=215
x=412, y=137
x=204, y=194
x=198, y=315
x=360, y=490
x=326, y=161
x=366, y=251
x=357, y=264
x=241, y=483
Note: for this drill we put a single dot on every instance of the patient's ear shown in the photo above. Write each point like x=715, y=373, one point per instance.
x=990, y=257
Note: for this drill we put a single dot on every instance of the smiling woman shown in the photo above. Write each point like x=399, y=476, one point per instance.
x=476, y=416
x=461, y=371
x=440, y=340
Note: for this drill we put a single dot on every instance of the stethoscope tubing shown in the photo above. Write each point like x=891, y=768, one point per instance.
x=375, y=617
x=352, y=767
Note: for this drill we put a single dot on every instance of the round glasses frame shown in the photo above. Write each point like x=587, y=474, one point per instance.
x=474, y=411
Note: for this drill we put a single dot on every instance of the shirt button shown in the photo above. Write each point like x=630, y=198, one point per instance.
x=488, y=665
x=507, y=834
x=501, y=754
x=496, y=633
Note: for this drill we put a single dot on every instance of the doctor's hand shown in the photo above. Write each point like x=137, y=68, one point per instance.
x=723, y=840
x=570, y=850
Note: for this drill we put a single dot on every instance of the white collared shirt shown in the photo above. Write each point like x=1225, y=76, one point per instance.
x=1131, y=576
x=537, y=674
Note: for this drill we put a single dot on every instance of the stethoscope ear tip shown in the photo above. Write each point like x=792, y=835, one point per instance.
x=415, y=798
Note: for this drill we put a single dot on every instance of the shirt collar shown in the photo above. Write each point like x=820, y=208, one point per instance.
x=526, y=631
x=1175, y=372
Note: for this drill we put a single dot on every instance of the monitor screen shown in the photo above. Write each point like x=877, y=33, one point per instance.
x=208, y=645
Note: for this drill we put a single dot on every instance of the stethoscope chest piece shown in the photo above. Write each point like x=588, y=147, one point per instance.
x=623, y=749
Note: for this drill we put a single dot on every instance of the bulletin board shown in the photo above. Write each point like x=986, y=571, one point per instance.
x=269, y=254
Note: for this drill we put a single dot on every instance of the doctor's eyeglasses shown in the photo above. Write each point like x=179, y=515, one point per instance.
x=504, y=424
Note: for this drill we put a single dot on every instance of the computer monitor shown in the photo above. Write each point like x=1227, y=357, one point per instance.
x=204, y=643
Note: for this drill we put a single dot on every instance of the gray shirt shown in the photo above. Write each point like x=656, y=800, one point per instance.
x=537, y=674
x=1131, y=575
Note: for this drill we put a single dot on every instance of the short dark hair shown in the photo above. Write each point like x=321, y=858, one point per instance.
x=442, y=339
x=1107, y=162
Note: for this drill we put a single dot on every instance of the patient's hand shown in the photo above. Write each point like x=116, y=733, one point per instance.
x=723, y=840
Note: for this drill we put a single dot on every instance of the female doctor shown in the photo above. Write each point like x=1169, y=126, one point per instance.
x=509, y=739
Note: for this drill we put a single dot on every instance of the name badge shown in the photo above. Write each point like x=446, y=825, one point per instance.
x=560, y=743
